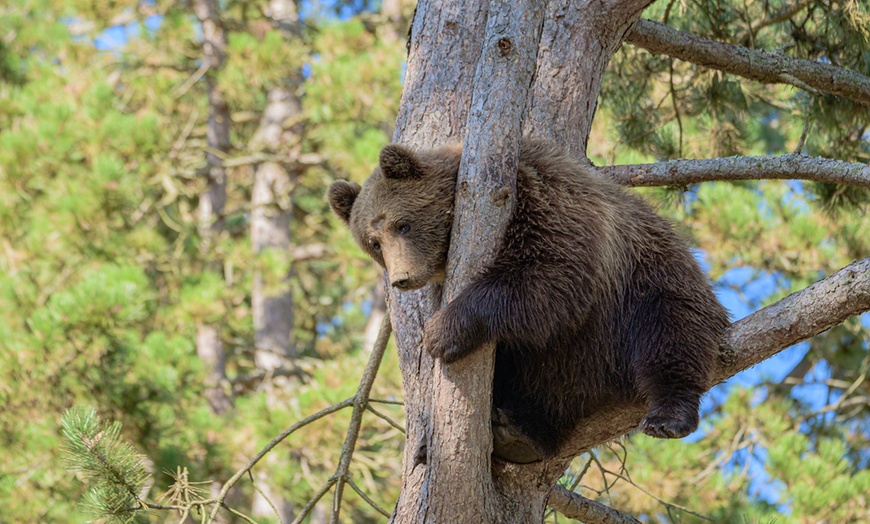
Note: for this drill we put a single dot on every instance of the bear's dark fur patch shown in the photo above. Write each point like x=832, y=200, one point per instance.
x=593, y=300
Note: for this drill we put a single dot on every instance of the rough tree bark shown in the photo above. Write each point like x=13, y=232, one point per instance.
x=448, y=475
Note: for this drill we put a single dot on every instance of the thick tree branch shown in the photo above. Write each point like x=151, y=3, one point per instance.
x=753, y=339
x=795, y=318
x=577, y=507
x=785, y=167
x=763, y=66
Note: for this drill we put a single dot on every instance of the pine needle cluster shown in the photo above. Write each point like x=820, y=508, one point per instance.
x=114, y=470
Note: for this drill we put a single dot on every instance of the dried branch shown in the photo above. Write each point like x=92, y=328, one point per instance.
x=385, y=418
x=360, y=402
x=795, y=318
x=368, y=499
x=577, y=507
x=315, y=499
x=762, y=66
x=785, y=167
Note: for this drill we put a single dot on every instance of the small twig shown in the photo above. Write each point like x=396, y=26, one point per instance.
x=381, y=401
x=194, y=78
x=386, y=419
x=203, y=69
x=366, y=498
x=237, y=513
x=266, y=498
x=178, y=145
x=314, y=500
x=359, y=406
x=660, y=500
x=800, y=145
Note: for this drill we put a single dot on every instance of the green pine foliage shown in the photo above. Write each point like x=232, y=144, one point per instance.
x=102, y=279
x=114, y=471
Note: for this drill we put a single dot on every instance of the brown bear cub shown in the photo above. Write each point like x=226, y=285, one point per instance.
x=593, y=300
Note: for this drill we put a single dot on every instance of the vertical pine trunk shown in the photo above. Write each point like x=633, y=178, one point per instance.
x=270, y=229
x=279, y=133
x=209, y=346
x=448, y=407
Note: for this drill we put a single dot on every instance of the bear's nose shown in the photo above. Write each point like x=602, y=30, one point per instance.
x=401, y=281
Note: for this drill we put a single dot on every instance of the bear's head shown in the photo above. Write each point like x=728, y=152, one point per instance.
x=403, y=213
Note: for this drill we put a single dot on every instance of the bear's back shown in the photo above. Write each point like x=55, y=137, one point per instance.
x=597, y=240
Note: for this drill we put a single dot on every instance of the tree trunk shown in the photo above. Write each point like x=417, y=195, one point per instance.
x=209, y=346
x=448, y=408
x=270, y=229
x=279, y=131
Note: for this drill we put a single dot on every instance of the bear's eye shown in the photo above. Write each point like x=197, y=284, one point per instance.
x=403, y=228
x=376, y=245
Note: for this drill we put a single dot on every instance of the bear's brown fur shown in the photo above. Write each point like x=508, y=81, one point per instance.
x=592, y=299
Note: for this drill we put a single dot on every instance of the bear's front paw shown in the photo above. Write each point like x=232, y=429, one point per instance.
x=441, y=338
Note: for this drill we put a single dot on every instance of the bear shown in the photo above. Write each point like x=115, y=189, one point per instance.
x=592, y=300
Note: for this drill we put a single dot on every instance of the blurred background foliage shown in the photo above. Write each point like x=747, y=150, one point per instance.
x=105, y=276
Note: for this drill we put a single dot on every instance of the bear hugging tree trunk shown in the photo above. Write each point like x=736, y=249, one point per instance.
x=536, y=69
x=592, y=300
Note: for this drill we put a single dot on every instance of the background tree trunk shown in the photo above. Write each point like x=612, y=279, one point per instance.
x=270, y=228
x=209, y=346
x=210, y=212
x=280, y=133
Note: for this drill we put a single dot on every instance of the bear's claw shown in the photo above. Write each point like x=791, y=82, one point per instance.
x=511, y=444
x=661, y=426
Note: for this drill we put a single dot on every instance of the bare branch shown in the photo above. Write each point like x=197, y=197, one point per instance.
x=360, y=402
x=795, y=318
x=314, y=500
x=762, y=66
x=368, y=499
x=785, y=167
x=577, y=507
x=753, y=339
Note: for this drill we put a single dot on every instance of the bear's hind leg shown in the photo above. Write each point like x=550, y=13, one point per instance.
x=671, y=418
x=672, y=345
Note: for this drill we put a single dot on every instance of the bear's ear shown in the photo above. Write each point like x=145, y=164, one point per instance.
x=342, y=195
x=398, y=161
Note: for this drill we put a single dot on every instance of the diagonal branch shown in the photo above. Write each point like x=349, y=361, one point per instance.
x=762, y=66
x=360, y=401
x=795, y=318
x=577, y=507
x=757, y=337
x=785, y=167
